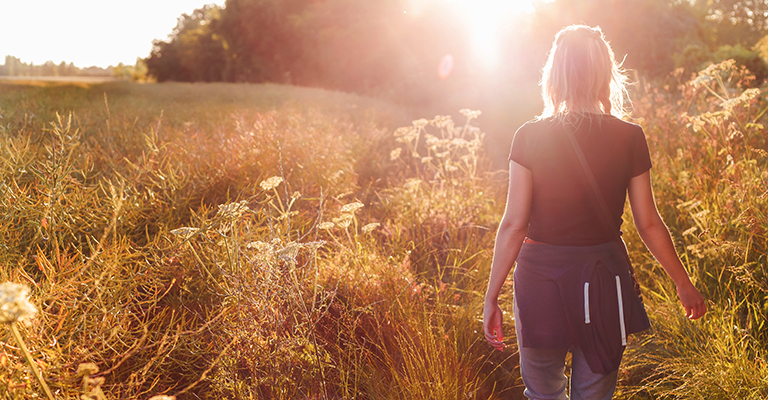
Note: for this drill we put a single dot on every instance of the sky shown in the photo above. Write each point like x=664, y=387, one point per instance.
x=87, y=32
x=108, y=32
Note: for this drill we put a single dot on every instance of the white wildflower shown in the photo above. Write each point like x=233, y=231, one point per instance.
x=326, y=225
x=313, y=246
x=420, y=123
x=343, y=221
x=426, y=160
x=412, y=184
x=289, y=252
x=271, y=183
x=370, y=227
x=260, y=246
x=470, y=114
x=432, y=140
x=352, y=207
x=14, y=304
x=442, y=121
x=395, y=154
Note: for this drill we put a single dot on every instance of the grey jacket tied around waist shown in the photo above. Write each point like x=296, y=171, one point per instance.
x=578, y=296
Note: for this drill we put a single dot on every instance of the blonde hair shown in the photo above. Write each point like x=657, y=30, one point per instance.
x=581, y=75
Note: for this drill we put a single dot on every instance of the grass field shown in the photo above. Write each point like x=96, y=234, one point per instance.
x=274, y=242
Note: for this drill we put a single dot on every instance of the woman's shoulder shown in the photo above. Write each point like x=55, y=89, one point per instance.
x=537, y=124
x=622, y=124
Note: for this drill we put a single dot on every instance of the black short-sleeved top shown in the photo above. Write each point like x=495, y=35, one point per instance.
x=564, y=210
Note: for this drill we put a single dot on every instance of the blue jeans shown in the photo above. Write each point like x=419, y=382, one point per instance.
x=543, y=373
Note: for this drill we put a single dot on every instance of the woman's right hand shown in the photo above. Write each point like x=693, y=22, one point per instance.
x=492, y=320
x=693, y=302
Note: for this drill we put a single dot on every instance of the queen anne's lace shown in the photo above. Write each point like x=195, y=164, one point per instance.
x=14, y=304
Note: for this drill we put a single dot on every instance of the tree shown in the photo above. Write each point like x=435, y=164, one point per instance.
x=194, y=52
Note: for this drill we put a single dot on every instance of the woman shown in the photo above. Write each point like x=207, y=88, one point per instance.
x=569, y=174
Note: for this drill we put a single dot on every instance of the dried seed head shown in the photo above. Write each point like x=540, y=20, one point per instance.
x=87, y=369
x=14, y=304
x=470, y=114
x=420, y=123
x=352, y=207
x=260, y=246
x=343, y=221
x=326, y=225
x=233, y=210
x=370, y=227
x=271, y=183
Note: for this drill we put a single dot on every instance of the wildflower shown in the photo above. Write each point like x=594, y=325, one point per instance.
x=352, y=207
x=426, y=160
x=326, y=225
x=395, y=154
x=432, y=140
x=260, y=246
x=470, y=114
x=14, y=304
x=420, y=123
x=442, y=121
x=406, y=134
x=313, y=246
x=162, y=397
x=443, y=154
x=343, y=221
x=87, y=369
x=412, y=184
x=289, y=252
x=451, y=168
x=271, y=183
x=459, y=142
x=370, y=227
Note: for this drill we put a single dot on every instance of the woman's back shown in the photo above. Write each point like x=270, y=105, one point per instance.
x=564, y=209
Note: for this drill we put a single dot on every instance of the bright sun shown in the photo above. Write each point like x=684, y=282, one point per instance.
x=485, y=17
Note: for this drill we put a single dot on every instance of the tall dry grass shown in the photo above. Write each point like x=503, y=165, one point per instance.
x=247, y=241
x=709, y=146
x=209, y=241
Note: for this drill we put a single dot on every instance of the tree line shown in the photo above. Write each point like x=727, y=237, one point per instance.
x=13, y=66
x=392, y=46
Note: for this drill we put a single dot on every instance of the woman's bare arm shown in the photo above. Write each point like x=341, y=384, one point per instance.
x=509, y=239
x=656, y=236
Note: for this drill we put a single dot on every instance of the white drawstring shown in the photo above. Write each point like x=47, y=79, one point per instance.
x=619, y=296
x=621, y=312
x=586, y=302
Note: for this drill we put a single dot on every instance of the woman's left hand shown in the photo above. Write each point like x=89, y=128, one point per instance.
x=492, y=320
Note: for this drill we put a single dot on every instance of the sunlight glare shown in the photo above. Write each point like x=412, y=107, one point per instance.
x=485, y=17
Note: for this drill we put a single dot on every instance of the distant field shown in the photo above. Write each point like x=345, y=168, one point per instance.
x=55, y=79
